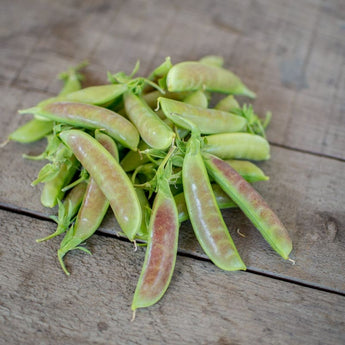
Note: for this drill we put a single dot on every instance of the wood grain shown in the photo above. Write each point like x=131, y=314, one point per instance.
x=92, y=306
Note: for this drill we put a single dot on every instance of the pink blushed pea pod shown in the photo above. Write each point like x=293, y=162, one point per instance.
x=161, y=249
x=251, y=203
x=109, y=176
x=91, y=117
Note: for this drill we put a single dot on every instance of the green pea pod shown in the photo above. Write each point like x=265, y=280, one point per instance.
x=191, y=75
x=205, y=216
x=92, y=211
x=161, y=249
x=143, y=233
x=223, y=201
x=228, y=103
x=32, y=131
x=151, y=128
x=208, y=121
x=52, y=190
x=67, y=210
x=238, y=146
x=251, y=203
x=197, y=98
x=102, y=95
x=248, y=170
x=212, y=60
x=133, y=159
x=91, y=117
x=109, y=176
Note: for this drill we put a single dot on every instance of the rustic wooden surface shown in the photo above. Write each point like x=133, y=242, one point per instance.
x=292, y=54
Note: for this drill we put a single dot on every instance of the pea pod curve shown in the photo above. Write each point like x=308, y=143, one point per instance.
x=207, y=221
x=161, y=249
x=109, y=176
x=251, y=203
x=209, y=121
x=92, y=117
x=192, y=75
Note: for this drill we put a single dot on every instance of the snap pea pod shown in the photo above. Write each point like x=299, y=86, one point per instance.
x=212, y=60
x=92, y=211
x=207, y=221
x=67, y=210
x=102, y=95
x=223, y=201
x=143, y=232
x=251, y=203
x=31, y=131
x=248, y=170
x=208, y=121
x=228, y=103
x=161, y=249
x=91, y=117
x=133, y=159
x=197, y=98
x=191, y=75
x=151, y=128
x=237, y=146
x=109, y=176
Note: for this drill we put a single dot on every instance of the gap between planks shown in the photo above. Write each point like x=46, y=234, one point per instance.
x=250, y=270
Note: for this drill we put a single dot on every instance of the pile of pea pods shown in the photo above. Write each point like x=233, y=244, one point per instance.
x=156, y=152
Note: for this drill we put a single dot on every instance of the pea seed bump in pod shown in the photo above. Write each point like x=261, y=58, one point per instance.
x=192, y=75
x=109, y=176
x=251, y=203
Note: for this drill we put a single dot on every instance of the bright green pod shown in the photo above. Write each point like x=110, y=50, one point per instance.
x=133, y=159
x=152, y=129
x=205, y=216
x=191, y=75
x=32, y=131
x=208, y=121
x=238, y=146
x=212, y=60
x=223, y=202
x=228, y=103
x=197, y=98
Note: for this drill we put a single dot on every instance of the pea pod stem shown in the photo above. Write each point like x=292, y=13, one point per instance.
x=251, y=203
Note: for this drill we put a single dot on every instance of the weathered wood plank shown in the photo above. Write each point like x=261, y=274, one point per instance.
x=202, y=306
x=299, y=55
x=305, y=190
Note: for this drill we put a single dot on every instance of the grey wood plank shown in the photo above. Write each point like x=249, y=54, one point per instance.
x=203, y=305
x=306, y=191
x=291, y=54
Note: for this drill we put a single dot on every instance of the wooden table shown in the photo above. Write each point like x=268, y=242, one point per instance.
x=292, y=54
